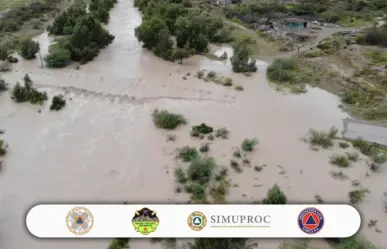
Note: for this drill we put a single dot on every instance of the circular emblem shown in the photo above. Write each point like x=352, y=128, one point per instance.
x=310, y=220
x=197, y=221
x=79, y=220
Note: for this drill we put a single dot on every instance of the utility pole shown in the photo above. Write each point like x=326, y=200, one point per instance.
x=41, y=61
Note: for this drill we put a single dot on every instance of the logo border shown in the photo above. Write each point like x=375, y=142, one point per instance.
x=204, y=221
x=298, y=222
x=87, y=211
x=135, y=215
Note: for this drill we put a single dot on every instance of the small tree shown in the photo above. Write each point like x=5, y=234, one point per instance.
x=4, y=53
x=275, y=196
x=180, y=54
x=28, y=49
x=58, y=102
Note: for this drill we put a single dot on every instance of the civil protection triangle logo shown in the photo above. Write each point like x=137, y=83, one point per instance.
x=145, y=221
x=197, y=221
x=311, y=220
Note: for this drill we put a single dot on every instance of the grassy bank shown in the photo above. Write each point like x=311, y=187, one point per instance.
x=352, y=66
x=21, y=21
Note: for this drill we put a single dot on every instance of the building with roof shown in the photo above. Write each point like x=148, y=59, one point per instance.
x=295, y=23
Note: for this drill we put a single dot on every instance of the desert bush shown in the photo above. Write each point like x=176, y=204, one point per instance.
x=202, y=129
x=28, y=49
x=197, y=191
x=356, y=196
x=3, y=148
x=340, y=161
x=3, y=85
x=235, y=165
x=222, y=133
x=275, y=196
x=239, y=88
x=283, y=71
x=205, y=148
x=219, y=243
x=220, y=190
x=364, y=146
x=354, y=243
x=4, y=52
x=201, y=169
x=379, y=157
x=28, y=93
x=121, y=243
x=187, y=154
x=321, y=138
x=166, y=120
x=343, y=145
x=200, y=74
x=180, y=175
x=354, y=156
x=249, y=144
x=58, y=102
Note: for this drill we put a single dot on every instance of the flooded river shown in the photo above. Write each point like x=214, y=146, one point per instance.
x=103, y=146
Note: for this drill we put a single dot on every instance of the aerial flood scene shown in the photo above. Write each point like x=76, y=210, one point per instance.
x=274, y=102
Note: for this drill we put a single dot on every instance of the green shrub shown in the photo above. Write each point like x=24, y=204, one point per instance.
x=323, y=139
x=205, y=148
x=28, y=93
x=202, y=129
x=353, y=156
x=3, y=147
x=249, y=144
x=283, y=70
x=354, y=243
x=119, y=243
x=3, y=85
x=343, y=145
x=275, y=196
x=58, y=102
x=201, y=169
x=180, y=175
x=340, y=161
x=58, y=57
x=187, y=154
x=235, y=165
x=166, y=120
x=28, y=49
x=356, y=196
x=222, y=133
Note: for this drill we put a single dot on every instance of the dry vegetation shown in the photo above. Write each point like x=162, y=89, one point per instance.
x=351, y=65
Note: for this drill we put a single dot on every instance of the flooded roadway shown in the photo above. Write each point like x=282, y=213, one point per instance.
x=103, y=147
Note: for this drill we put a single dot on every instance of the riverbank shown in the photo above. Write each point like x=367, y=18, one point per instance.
x=104, y=144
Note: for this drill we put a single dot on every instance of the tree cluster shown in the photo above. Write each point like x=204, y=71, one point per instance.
x=28, y=49
x=193, y=28
x=241, y=63
x=321, y=10
x=85, y=36
x=28, y=92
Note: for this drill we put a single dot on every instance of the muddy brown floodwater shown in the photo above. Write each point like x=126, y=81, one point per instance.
x=103, y=146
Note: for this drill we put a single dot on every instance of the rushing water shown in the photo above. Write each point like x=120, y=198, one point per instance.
x=103, y=147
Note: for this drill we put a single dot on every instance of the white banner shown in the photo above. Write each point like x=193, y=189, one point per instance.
x=193, y=221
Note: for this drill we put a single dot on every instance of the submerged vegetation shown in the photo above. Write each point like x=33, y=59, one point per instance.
x=322, y=138
x=166, y=120
x=58, y=102
x=83, y=33
x=193, y=28
x=28, y=92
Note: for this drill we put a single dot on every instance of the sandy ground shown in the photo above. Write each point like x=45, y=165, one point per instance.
x=103, y=147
